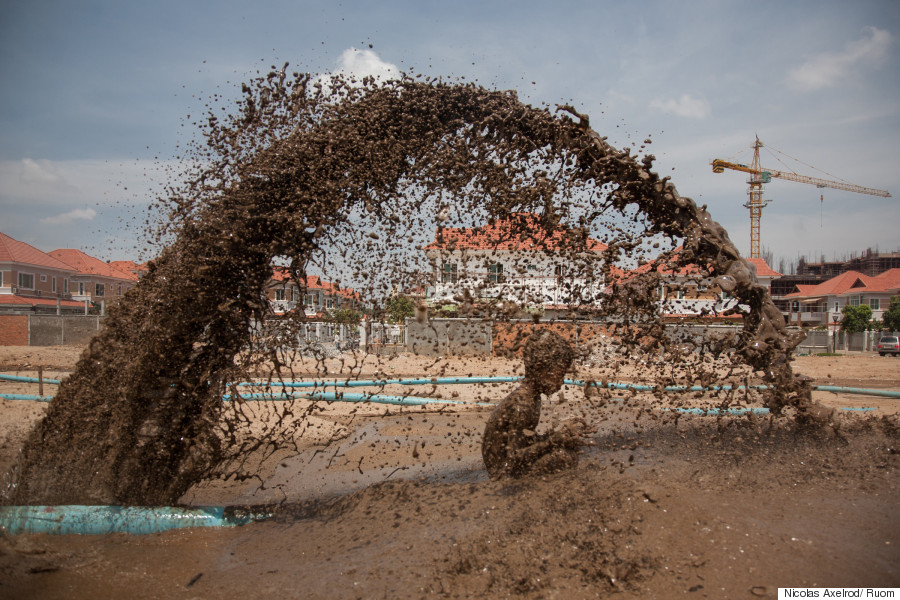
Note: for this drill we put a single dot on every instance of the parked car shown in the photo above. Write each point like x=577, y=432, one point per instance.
x=888, y=344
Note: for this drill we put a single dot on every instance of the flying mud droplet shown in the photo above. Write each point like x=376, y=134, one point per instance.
x=349, y=181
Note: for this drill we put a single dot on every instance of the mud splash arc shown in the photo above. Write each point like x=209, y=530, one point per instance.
x=299, y=172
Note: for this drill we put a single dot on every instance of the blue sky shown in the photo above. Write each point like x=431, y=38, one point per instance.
x=95, y=96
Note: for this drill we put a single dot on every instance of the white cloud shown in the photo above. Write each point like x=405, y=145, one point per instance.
x=364, y=63
x=830, y=68
x=79, y=214
x=42, y=173
x=686, y=106
x=355, y=65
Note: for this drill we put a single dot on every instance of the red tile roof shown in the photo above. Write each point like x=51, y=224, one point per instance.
x=763, y=269
x=314, y=282
x=88, y=265
x=666, y=268
x=850, y=282
x=12, y=250
x=521, y=231
x=13, y=299
x=129, y=266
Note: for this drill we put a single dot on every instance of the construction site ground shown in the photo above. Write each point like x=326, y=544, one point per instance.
x=384, y=501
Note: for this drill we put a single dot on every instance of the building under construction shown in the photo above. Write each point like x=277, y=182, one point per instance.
x=869, y=263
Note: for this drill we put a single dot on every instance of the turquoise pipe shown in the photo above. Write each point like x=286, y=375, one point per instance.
x=383, y=382
x=714, y=412
x=100, y=520
x=26, y=397
x=24, y=379
x=861, y=391
x=351, y=397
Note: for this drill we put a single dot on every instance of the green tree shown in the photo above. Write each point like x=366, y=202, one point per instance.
x=344, y=316
x=399, y=308
x=856, y=318
x=891, y=318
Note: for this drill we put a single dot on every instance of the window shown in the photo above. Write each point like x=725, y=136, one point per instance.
x=560, y=271
x=836, y=309
x=43, y=279
x=99, y=289
x=874, y=303
x=119, y=290
x=854, y=300
x=329, y=303
x=65, y=286
x=53, y=285
x=26, y=281
x=310, y=300
x=81, y=288
x=448, y=273
x=495, y=273
x=279, y=294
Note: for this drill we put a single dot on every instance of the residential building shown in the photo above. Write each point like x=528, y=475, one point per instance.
x=32, y=280
x=129, y=266
x=516, y=259
x=317, y=298
x=822, y=304
x=94, y=280
x=690, y=292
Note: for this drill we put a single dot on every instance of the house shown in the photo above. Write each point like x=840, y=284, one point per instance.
x=317, y=298
x=94, y=280
x=517, y=259
x=689, y=292
x=129, y=266
x=823, y=304
x=33, y=280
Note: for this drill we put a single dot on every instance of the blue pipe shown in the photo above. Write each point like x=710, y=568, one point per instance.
x=351, y=397
x=714, y=412
x=862, y=391
x=27, y=379
x=100, y=520
x=26, y=397
x=383, y=382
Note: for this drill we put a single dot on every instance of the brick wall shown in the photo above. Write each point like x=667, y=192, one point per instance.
x=13, y=330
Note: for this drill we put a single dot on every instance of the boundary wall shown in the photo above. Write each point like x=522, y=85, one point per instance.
x=47, y=330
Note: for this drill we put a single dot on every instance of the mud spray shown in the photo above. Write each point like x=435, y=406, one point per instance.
x=345, y=177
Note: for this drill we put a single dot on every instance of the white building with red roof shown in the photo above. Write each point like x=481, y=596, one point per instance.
x=823, y=302
x=94, y=280
x=317, y=297
x=30, y=278
x=516, y=259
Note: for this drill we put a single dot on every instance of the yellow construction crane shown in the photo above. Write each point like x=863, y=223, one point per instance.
x=760, y=175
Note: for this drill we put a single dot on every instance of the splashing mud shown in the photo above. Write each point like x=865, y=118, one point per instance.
x=350, y=180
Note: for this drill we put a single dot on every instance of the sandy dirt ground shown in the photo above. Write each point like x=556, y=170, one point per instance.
x=387, y=501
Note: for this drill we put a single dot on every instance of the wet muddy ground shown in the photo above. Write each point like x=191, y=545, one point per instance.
x=398, y=505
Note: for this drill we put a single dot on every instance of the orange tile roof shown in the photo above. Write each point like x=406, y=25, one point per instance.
x=313, y=282
x=12, y=250
x=851, y=281
x=128, y=266
x=521, y=231
x=13, y=299
x=763, y=269
x=88, y=265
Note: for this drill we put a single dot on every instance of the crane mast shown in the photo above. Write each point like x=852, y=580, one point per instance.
x=760, y=175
